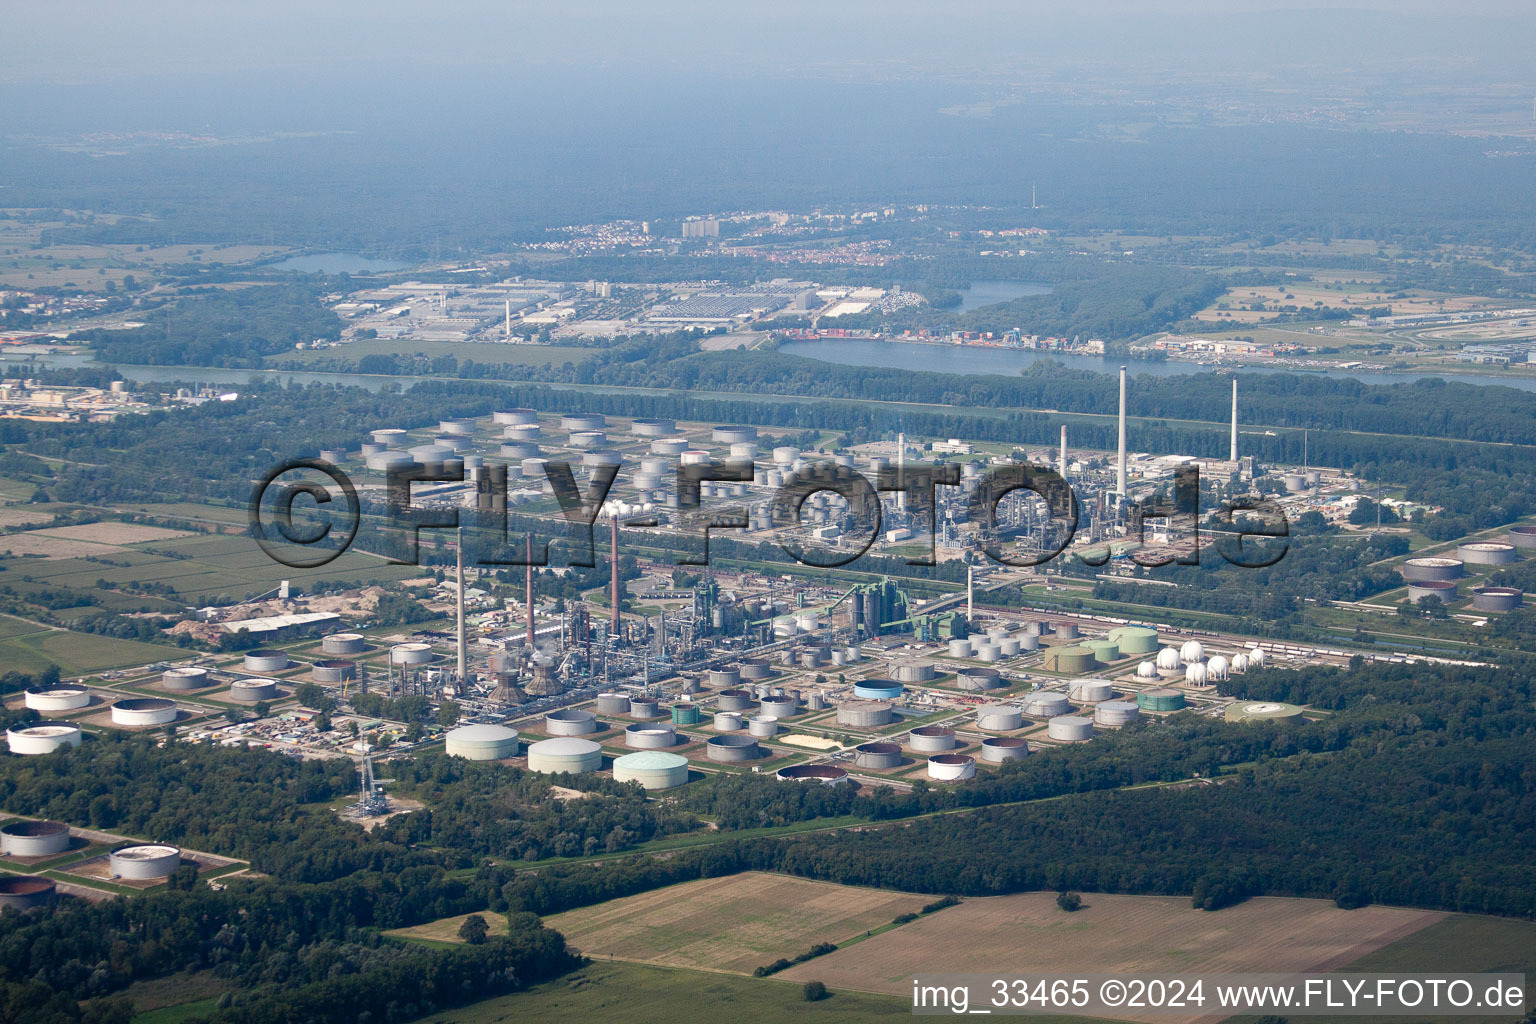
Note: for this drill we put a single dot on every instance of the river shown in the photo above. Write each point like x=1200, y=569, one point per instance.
x=1008, y=362
x=961, y=359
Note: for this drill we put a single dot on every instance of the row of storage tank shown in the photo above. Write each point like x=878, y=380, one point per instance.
x=34, y=840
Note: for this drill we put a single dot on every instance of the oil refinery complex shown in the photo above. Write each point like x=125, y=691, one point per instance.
x=666, y=672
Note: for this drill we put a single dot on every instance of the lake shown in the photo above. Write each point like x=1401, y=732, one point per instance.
x=990, y=293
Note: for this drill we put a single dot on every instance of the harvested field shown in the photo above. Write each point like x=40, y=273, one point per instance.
x=737, y=923
x=39, y=543
x=1114, y=934
x=113, y=533
x=23, y=516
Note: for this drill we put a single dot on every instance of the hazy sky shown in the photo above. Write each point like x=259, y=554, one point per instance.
x=101, y=40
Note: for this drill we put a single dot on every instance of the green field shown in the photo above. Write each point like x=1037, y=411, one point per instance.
x=79, y=653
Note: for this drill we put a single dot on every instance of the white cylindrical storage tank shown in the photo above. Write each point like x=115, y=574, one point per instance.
x=1497, y=599
x=389, y=436
x=41, y=737
x=1197, y=675
x=732, y=747
x=669, y=446
x=383, y=462
x=265, y=661
x=570, y=722
x=595, y=460
x=733, y=700
x=951, y=767
x=144, y=860
x=1066, y=630
x=999, y=718
x=568, y=754
x=481, y=742
x=1069, y=728
x=807, y=622
x=1432, y=568
x=762, y=726
x=865, y=714
x=33, y=838
x=913, y=672
x=1091, y=690
x=335, y=456
x=778, y=707
x=1486, y=552
x=1115, y=713
x=644, y=707
x=578, y=421
x=959, y=648
x=650, y=735
x=343, y=643
x=528, y=457
x=1191, y=652
x=988, y=653
x=333, y=670
x=613, y=703
x=509, y=417
x=249, y=691
x=658, y=427
x=727, y=721
x=998, y=749
x=879, y=754
x=57, y=697
x=139, y=711
x=743, y=451
x=1028, y=642
x=724, y=678
x=588, y=439
x=533, y=467
x=693, y=457
x=785, y=456
x=931, y=739
x=1008, y=647
x=456, y=426
x=524, y=433
x=733, y=434
x=816, y=702
x=651, y=769
x=410, y=653
x=1046, y=704
x=978, y=677
x=370, y=448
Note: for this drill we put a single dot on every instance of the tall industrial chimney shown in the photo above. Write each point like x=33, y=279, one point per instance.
x=1120, y=471
x=614, y=596
x=970, y=593
x=530, y=593
x=901, y=471
x=1063, y=451
x=1234, y=419
x=507, y=328
x=459, y=600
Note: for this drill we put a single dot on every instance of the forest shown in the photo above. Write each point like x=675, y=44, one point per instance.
x=235, y=328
